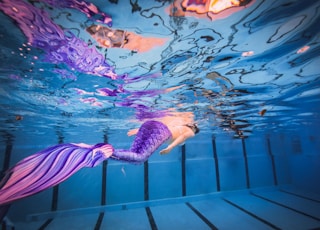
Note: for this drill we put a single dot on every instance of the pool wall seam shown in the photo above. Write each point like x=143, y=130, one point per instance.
x=141, y=204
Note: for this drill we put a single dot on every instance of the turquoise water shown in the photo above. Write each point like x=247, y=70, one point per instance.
x=249, y=74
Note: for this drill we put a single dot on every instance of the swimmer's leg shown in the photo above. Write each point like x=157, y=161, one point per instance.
x=48, y=168
x=151, y=135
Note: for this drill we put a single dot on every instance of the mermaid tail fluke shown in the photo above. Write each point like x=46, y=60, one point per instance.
x=48, y=168
x=150, y=136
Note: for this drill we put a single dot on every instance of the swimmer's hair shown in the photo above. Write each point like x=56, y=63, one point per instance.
x=91, y=29
x=196, y=128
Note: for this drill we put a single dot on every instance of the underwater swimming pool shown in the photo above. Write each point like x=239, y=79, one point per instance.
x=247, y=72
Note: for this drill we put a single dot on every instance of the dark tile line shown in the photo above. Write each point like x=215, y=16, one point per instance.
x=300, y=196
x=274, y=171
x=55, y=196
x=99, y=221
x=3, y=172
x=45, y=224
x=183, y=170
x=146, y=180
x=4, y=226
x=152, y=222
x=103, y=194
x=216, y=162
x=103, y=187
x=252, y=214
x=104, y=183
x=244, y=150
x=7, y=158
x=55, y=193
x=3, y=212
x=202, y=217
x=285, y=206
x=104, y=176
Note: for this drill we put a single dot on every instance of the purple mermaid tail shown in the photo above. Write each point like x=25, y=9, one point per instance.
x=150, y=136
x=53, y=165
x=48, y=168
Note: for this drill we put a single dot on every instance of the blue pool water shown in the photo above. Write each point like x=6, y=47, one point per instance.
x=248, y=73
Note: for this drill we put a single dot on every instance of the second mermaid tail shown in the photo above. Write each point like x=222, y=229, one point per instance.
x=150, y=136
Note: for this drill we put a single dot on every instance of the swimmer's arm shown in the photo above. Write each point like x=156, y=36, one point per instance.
x=132, y=132
x=180, y=140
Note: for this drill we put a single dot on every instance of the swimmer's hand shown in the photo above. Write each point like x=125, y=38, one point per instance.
x=132, y=132
x=165, y=151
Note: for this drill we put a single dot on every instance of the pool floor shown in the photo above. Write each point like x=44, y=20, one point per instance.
x=281, y=207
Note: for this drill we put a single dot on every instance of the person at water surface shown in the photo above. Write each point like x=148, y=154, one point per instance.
x=117, y=38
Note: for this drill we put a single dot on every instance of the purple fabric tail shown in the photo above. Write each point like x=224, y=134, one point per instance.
x=48, y=168
x=54, y=165
x=151, y=135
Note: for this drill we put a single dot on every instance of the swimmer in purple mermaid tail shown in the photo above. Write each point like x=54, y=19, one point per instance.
x=152, y=134
x=48, y=168
x=54, y=165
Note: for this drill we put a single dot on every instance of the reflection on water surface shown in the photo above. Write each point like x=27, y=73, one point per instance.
x=238, y=66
